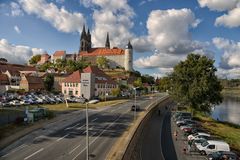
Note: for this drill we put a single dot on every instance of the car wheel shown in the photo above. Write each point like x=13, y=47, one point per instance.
x=203, y=153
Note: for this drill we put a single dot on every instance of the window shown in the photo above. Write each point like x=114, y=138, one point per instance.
x=73, y=84
x=76, y=92
x=211, y=146
x=76, y=84
x=70, y=84
x=65, y=92
x=65, y=84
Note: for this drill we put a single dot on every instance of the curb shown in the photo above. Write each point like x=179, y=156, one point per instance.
x=120, y=147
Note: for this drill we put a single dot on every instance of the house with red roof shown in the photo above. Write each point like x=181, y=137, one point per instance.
x=31, y=83
x=4, y=83
x=58, y=55
x=90, y=82
x=44, y=59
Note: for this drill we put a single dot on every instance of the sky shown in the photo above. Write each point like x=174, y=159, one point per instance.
x=162, y=32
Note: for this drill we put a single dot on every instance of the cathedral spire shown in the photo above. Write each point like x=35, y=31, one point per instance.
x=107, y=44
x=83, y=35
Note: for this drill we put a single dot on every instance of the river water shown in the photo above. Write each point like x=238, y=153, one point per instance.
x=228, y=110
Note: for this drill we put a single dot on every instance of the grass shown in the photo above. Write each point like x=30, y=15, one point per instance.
x=226, y=131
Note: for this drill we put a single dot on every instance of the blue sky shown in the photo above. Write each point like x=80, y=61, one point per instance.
x=162, y=32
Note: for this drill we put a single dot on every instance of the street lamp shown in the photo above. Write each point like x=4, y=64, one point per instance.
x=135, y=102
x=87, y=137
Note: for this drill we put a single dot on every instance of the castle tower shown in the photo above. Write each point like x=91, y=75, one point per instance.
x=85, y=40
x=128, y=59
x=107, y=44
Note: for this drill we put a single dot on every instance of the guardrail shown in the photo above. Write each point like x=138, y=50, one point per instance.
x=124, y=147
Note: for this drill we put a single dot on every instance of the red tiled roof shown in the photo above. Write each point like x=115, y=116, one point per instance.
x=99, y=73
x=15, y=67
x=75, y=77
x=33, y=79
x=45, y=55
x=102, y=52
x=59, y=53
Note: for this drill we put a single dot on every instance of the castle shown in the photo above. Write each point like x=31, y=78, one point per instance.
x=117, y=57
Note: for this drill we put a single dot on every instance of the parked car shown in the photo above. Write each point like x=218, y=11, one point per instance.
x=211, y=146
x=93, y=101
x=198, y=136
x=15, y=103
x=24, y=102
x=220, y=155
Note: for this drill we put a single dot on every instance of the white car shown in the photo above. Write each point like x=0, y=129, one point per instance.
x=25, y=102
x=198, y=135
x=93, y=101
x=15, y=103
x=211, y=146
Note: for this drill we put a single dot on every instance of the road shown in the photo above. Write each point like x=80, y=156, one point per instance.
x=155, y=142
x=69, y=143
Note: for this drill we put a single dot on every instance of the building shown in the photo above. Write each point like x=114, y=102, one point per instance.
x=90, y=82
x=117, y=57
x=103, y=83
x=58, y=55
x=4, y=83
x=44, y=59
x=31, y=83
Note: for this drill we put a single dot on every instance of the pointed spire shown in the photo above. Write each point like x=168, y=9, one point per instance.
x=83, y=35
x=88, y=32
x=129, y=45
x=107, y=44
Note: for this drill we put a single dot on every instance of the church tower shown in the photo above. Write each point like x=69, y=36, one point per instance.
x=128, y=58
x=85, y=40
x=107, y=44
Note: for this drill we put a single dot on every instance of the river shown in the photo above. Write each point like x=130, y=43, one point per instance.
x=228, y=110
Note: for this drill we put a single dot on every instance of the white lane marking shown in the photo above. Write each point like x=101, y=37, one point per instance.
x=14, y=150
x=94, y=119
x=100, y=135
x=40, y=150
x=59, y=139
x=71, y=127
x=80, y=127
x=79, y=145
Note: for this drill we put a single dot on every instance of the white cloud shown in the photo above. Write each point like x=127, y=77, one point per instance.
x=17, y=53
x=218, y=5
x=229, y=20
x=16, y=28
x=111, y=16
x=16, y=9
x=59, y=18
x=233, y=73
x=231, y=55
x=169, y=29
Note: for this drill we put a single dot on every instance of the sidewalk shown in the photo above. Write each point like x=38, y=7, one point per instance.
x=181, y=144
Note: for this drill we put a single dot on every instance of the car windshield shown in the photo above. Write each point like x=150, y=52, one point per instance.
x=205, y=144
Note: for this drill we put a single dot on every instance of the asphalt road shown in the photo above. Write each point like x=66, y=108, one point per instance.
x=105, y=126
x=155, y=142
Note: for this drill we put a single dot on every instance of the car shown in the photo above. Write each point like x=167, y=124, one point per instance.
x=137, y=108
x=15, y=103
x=211, y=146
x=94, y=101
x=80, y=100
x=24, y=102
x=198, y=136
x=220, y=155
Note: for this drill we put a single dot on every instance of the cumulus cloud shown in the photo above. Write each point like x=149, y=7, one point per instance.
x=168, y=34
x=233, y=73
x=16, y=9
x=16, y=28
x=17, y=53
x=229, y=20
x=231, y=55
x=111, y=16
x=59, y=18
x=218, y=5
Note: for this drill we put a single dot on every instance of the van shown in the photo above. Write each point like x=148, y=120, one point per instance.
x=211, y=146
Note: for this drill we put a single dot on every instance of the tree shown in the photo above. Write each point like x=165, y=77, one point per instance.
x=35, y=59
x=195, y=84
x=49, y=82
x=102, y=62
x=4, y=60
x=138, y=83
x=164, y=84
x=116, y=91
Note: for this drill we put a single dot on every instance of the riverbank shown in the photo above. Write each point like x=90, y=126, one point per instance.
x=233, y=92
x=225, y=131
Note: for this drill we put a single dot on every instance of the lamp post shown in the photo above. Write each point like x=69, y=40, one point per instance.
x=135, y=102
x=87, y=137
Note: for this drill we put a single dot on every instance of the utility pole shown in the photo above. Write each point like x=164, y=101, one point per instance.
x=87, y=137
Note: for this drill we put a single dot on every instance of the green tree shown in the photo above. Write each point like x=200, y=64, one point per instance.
x=195, y=84
x=49, y=82
x=164, y=84
x=116, y=91
x=138, y=83
x=35, y=59
x=102, y=62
